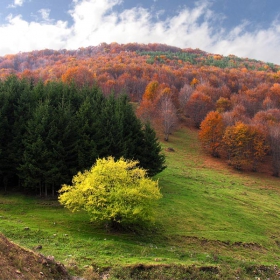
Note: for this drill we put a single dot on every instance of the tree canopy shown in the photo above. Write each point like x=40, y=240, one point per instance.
x=51, y=130
x=114, y=192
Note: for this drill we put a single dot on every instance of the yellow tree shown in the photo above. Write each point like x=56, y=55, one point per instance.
x=151, y=91
x=147, y=109
x=114, y=192
x=223, y=104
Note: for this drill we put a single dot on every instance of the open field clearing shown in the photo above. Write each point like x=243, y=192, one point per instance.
x=210, y=216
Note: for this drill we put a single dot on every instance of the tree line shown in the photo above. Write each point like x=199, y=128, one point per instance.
x=243, y=144
x=50, y=131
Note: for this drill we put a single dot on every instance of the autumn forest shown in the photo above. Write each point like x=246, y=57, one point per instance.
x=235, y=102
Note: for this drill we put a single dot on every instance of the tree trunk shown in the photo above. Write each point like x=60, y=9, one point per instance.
x=46, y=190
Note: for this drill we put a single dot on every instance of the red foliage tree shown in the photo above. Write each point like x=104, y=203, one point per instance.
x=198, y=107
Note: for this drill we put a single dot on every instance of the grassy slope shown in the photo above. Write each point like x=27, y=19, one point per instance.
x=209, y=200
x=209, y=215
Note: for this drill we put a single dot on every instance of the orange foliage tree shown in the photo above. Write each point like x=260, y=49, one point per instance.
x=147, y=109
x=81, y=75
x=211, y=133
x=157, y=107
x=245, y=145
x=151, y=91
x=194, y=82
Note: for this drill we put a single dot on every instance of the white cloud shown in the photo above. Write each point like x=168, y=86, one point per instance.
x=45, y=14
x=16, y=3
x=261, y=44
x=23, y=36
x=96, y=21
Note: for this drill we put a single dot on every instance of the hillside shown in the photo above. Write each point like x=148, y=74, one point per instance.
x=170, y=86
x=130, y=67
x=217, y=218
x=19, y=263
x=212, y=222
x=36, y=61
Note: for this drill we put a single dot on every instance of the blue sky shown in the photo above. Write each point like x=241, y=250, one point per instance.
x=246, y=28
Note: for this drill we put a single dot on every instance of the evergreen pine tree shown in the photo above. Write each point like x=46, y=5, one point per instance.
x=90, y=128
x=152, y=157
x=4, y=161
x=10, y=90
x=49, y=132
x=131, y=135
x=36, y=154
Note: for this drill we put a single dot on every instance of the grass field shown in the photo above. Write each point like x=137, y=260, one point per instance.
x=210, y=216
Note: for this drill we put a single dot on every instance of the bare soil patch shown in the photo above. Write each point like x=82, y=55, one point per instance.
x=19, y=263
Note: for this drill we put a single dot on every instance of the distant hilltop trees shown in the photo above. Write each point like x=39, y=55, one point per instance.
x=169, y=86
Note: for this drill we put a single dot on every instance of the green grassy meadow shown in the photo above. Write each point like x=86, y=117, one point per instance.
x=210, y=216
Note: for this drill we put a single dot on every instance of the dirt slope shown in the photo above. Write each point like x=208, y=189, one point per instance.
x=19, y=263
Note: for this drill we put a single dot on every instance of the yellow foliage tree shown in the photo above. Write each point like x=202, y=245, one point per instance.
x=151, y=90
x=114, y=192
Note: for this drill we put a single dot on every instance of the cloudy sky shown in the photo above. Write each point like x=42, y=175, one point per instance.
x=246, y=28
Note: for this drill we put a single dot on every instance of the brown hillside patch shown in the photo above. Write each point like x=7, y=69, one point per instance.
x=214, y=163
x=19, y=263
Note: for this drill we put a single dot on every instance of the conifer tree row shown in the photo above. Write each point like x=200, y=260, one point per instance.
x=49, y=132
